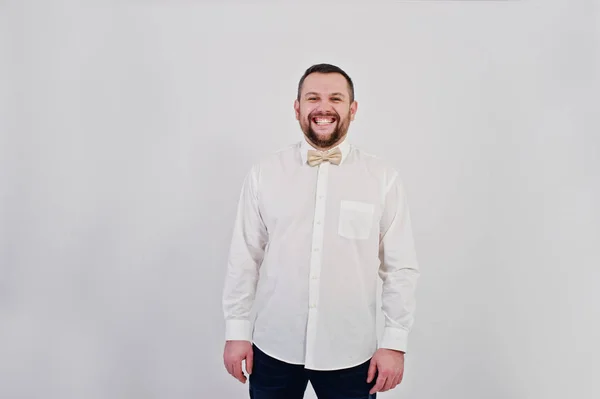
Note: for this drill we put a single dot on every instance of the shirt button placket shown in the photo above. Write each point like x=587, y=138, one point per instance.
x=315, y=260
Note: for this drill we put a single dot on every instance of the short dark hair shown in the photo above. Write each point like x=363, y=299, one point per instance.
x=327, y=68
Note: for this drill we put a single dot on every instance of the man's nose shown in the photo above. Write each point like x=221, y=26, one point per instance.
x=324, y=107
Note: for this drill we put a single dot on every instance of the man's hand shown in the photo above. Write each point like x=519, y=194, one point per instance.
x=233, y=354
x=390, y=367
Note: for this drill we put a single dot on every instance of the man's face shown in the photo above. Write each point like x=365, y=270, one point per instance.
x=324, y=109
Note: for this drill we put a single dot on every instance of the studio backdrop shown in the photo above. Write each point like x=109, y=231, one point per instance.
x=128, y=127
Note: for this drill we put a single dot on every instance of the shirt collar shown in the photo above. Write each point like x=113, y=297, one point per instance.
x=344, y=147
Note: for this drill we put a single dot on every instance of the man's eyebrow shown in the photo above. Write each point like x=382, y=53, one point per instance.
x=312, y=93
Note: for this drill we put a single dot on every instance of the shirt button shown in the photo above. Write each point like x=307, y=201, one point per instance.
x=318, y=222
x=316, y=249
x=314, y=277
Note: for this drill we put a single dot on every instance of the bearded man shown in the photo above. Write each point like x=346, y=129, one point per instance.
x=318, y=222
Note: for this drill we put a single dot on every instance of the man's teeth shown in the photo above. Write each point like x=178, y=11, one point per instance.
x=323, y=121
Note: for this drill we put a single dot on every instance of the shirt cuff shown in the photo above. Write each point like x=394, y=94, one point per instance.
x=238, y=330
x=394, y=338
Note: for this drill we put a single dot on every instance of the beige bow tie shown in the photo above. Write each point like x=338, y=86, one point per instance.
x=316, y=157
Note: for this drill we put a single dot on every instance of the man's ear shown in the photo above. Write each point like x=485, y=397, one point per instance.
x=297, y=109
x=353, y=109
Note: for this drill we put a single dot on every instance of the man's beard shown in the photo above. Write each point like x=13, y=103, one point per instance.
x=340, y=131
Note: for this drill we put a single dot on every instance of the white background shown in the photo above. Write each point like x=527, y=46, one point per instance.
x=127, y=128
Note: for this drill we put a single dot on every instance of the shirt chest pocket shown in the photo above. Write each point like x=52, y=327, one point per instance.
x=356, y=219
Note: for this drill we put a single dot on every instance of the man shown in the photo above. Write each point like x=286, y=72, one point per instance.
x=317, y=223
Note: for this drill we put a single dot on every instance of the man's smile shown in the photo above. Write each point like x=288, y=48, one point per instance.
x=324, y=120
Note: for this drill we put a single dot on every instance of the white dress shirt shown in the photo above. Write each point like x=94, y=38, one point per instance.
x=308, y=246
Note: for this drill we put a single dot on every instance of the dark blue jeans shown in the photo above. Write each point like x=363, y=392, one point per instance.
x=274, y=379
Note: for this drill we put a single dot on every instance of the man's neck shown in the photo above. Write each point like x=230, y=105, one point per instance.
x=319, y=148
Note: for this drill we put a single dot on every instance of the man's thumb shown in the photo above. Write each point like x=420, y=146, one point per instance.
x=249, y=361
x=372, y=369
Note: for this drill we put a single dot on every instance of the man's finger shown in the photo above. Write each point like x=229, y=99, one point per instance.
x=379, y=384
x=249, y=362
x=237, y=372
x=401, y=376
x=228, y=366
x=389, y=384
x=372, y=370
x=398, y=379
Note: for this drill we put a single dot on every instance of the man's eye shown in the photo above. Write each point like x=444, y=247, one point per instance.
x=311, y=98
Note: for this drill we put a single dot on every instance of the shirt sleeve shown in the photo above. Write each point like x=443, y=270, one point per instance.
x=399, y=269
x=245, y=256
